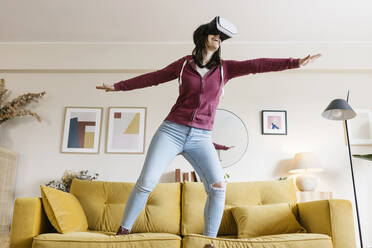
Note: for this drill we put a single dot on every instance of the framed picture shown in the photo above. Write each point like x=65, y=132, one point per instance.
x=81, y=130
x=274, y=122
x=360, y=127
x=126, y=130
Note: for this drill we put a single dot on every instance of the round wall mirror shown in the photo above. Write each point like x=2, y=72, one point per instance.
x=229, y=130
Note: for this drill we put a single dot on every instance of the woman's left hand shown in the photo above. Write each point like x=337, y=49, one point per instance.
x=309, y=59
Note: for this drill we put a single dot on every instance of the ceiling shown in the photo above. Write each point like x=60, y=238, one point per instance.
x=174, y=20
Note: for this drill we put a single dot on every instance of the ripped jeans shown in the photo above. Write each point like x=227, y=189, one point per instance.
x=196, y=146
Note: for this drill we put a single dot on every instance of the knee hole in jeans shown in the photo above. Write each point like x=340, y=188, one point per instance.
x=219, y=186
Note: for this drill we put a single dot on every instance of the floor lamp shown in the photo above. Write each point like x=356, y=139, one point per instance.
x=339, y=109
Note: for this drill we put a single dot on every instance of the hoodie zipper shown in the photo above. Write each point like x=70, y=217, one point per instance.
x=201, y=92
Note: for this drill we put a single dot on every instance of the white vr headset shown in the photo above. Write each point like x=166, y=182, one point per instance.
x=222, y=27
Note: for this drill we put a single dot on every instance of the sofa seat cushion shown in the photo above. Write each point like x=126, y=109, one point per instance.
x=295, y=240
x=105, y=239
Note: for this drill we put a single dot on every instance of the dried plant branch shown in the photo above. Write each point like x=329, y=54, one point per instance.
x=14, y=108
x=2, y=90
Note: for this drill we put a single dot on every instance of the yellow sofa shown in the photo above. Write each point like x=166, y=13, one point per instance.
x=173, y=217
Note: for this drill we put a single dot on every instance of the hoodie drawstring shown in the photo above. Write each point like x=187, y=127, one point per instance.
x=222, y=81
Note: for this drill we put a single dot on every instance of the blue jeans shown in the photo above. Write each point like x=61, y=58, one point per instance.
x=196, y=146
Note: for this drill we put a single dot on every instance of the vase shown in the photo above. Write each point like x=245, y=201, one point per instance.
x=307, y=182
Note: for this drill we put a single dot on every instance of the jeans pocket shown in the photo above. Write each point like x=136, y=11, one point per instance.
x=169, y=124
x=205, y=132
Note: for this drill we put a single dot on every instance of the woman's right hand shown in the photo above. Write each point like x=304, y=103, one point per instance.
x=106, y=87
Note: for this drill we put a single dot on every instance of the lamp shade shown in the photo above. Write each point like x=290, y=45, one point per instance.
x=305, y=162
x=339, y=109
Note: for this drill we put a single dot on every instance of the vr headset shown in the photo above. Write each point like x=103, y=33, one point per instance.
x=222, y=27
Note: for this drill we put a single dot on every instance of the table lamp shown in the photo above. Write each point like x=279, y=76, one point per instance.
x=339, y=109
x=305, y=164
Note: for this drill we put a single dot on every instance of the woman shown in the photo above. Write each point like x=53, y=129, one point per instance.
x=187, y=128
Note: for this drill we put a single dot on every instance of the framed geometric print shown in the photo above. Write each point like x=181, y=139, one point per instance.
x=81, y=130
x=274, y=122
x=126, y=130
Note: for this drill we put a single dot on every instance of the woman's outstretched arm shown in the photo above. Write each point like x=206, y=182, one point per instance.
x=236, y=68
x=166, y=74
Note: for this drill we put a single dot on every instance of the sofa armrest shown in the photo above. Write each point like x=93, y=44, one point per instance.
x=332, y=217
x=29, y=220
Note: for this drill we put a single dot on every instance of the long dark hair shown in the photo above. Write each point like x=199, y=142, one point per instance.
x=200, y=37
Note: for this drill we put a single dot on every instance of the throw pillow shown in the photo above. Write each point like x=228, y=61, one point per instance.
x=258, y=220
x=63, y=210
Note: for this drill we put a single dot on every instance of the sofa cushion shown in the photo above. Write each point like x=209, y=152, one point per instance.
x=104, y=203
x=106, y=239
x=63, y=210
x=237, y=194
x=297, y=240
x=269, y=219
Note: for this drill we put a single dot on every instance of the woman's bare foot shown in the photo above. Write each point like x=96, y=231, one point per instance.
x=209, y=246
x=122, y=231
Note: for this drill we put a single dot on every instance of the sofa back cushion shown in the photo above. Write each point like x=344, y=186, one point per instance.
x=104, y=203
x=237, y=194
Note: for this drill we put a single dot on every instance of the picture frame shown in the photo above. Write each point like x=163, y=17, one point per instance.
x=360, y=127
x=126, y=130
x=274, y=122
x=81, y=130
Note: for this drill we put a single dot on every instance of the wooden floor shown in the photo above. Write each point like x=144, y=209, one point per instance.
x=4, y=240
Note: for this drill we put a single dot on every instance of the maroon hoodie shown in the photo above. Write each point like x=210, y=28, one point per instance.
x=198, y=97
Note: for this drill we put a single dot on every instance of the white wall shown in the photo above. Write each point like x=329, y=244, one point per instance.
x=70, y=72
x=167, y=20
